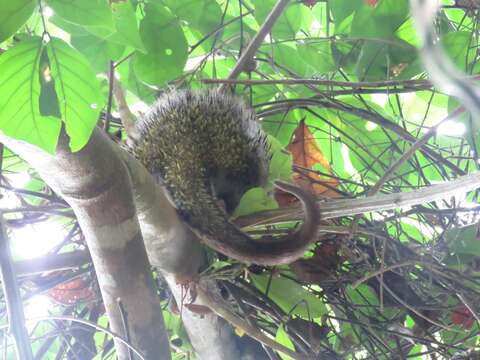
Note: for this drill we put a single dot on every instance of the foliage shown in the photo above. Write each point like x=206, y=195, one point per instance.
x=367, y=102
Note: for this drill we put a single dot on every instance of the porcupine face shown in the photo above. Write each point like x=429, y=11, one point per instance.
x=230, y=187
x=203, y=139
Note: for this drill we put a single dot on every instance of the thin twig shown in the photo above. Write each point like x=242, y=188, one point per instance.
x=253, y=46
x=289, y=104
x=330, y=83
x=415, y=311
x=383, y=270
x=405, y=156
x=408, y=154
x=88, y=323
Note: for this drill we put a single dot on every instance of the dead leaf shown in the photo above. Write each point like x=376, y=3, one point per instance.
x=306, y=154
x=72, y=292
x=321, y=266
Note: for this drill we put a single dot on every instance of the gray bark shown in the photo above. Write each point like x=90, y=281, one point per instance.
x=96, y=184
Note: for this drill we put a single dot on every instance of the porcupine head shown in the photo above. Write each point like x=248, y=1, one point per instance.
x=204, y=146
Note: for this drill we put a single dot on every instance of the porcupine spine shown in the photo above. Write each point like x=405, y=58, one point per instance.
x=191, y=140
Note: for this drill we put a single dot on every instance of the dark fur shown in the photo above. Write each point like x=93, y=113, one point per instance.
x=206, y=145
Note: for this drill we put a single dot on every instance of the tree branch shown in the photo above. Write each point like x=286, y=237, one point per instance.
x=95, y=182
x=253, y=46
x=349, y=207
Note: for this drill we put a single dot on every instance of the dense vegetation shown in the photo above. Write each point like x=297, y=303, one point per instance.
x=342, y=92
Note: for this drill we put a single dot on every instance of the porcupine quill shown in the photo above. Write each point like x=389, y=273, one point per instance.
x=204, y=146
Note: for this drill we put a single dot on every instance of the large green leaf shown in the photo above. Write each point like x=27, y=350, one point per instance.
x=126, y=25
x=13, y=14
x=71, y=28
x=380, y=60
x=280, y=166
x=129, y=81
x=166, y=45
x=282, y=338
x=77, y=90
x=381, y=21
x=287, y=57
x=200, y=17
x=291, y=296
x=373, y=62
x=288, y=24
x=318, y=55
x=457, y=46
x=98, y=51
x=125, y=30
x=83, y=12
x=341, y=9
x=203, y=15
x=463, y=241
x=254, y=200
x=363, y=297
x=20, y=93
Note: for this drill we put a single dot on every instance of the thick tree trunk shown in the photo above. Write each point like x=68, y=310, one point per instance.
x=96, y=185
x=95, y=182
x=173, y=248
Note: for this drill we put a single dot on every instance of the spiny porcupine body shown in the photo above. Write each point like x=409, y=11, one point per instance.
x=206, y=145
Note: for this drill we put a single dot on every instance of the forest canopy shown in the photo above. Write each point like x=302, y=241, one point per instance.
x=370, y=105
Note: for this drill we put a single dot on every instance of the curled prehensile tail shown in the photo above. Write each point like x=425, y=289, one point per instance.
x=205, y=146
x=228, y=239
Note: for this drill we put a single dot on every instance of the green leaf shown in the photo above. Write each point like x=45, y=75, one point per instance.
x=126, y=25
x=287, y=57
x=373, y=62
x=130, y=81
x=254, y=200
x=77, y=91
x=381, y=21
x=83, y=12
x=219, y=68
x=342, y=9
x=291, y=296
x=166, y=45
x=379, y=60
x=99, y=52
x=20, y=92
x=203, y=15
x=408, y=33
x=125, y=30
x=13, y=14
x=463, y=241
x=280, y=166
x=72, y=29
x=288, y=24
x=365, y=300
x=457, y=46
x=201, y=18
x=417, y=349
x=362, y=295
x=282, y=338
x=318, y=55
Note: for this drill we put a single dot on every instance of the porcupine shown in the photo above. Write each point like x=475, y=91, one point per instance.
x=206, y=145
